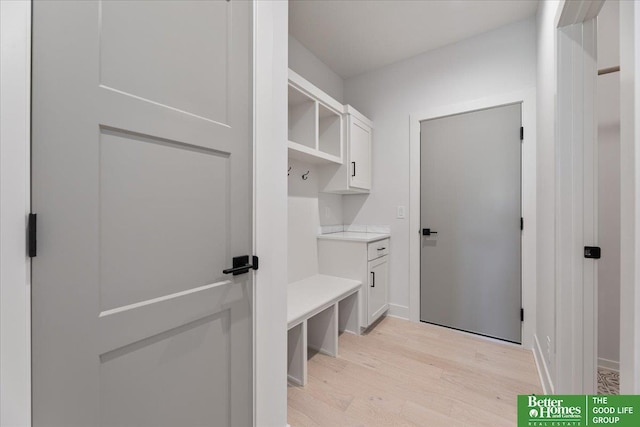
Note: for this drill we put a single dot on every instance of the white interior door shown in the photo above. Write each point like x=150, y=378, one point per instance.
x=142, y=184
x=470, y=203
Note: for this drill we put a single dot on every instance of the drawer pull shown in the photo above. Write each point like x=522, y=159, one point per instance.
x=381, y=249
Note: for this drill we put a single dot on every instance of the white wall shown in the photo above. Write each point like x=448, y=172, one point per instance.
x=608, y=102
x=307, y=211
x=546, y=165
x=497, y=62
x=305, y=63
x=609, y=219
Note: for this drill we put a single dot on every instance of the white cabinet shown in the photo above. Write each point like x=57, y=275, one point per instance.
x=378, y=290
x=362, y=260
x=359, y=142
x=354, y=176
x=316, y=130
x=323, y=131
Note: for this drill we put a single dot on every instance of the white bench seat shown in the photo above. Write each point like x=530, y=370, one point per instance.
x=318, y=309
x=310, y=296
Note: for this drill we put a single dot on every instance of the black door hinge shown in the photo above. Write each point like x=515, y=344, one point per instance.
x=521, y=133
x=522, y=314
x=32, y=240
x=521, y=223
x=592, y=252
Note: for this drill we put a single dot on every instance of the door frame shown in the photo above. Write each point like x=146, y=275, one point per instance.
x=15, y=204
x=630, y=195
x=270, y=200
x=575, y=107
x=527, y=98
x=576, y=210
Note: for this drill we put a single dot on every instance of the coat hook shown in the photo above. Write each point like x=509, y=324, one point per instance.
x=289, y=171
x=305, y=176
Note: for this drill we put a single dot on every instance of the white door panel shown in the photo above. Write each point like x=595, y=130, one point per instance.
x=142, y=185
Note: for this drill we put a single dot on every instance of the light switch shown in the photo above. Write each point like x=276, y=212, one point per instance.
x=401, y=212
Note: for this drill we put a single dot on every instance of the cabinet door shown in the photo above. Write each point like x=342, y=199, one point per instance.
x=359, y=154
x=378, y=301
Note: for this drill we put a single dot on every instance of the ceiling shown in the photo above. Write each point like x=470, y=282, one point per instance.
x=356, y=36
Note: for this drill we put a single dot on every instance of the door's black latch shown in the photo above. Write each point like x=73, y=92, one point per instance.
x=592, y=252
x=32, y=241
x=241, y=265
x=428, y=232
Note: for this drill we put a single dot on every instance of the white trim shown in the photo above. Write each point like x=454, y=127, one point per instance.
x=399, y=311
x=543, y=371
x=270, y=207
x=612, y=365
x=528, y=99
x=15, y=267
x=576, y=213
x=630, y=197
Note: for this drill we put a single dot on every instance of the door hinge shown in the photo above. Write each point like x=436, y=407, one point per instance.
x=522, y=314
x=592, y=252
x=32, y=240
x=521, y=223
x=521, y=133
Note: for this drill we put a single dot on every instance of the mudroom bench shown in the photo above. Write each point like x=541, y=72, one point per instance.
x=319, y=308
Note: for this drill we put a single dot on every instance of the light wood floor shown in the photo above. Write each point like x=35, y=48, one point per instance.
x=414, y=374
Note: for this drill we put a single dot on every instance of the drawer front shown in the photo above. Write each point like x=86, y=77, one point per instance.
x=378, y=249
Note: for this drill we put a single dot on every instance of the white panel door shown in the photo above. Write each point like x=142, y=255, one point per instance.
x=142, y=184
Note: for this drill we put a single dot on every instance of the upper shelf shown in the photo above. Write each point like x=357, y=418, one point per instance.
x=315, y=123
x=311, y=155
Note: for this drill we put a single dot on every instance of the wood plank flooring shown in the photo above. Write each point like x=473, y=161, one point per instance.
x=414, y=374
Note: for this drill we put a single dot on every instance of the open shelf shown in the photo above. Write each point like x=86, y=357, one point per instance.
x=311, y=155
x=315, y=123
x=329, y=131
x=302, y=118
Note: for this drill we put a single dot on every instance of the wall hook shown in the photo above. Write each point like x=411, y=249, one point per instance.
x=305, y=176
x=289, y=171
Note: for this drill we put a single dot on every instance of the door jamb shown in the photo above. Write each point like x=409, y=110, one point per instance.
x=15, y=204
x=528, y=99
x=630, y=196
x=270, y=80
x=576, y=197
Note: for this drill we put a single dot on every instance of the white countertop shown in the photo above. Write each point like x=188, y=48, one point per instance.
x=355, y=236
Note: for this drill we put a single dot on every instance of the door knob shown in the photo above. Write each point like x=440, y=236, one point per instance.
x=428, y=232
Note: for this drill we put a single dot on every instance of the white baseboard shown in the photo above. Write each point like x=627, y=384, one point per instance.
x=612, y=365
x=399, y=311
x=543, y=371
